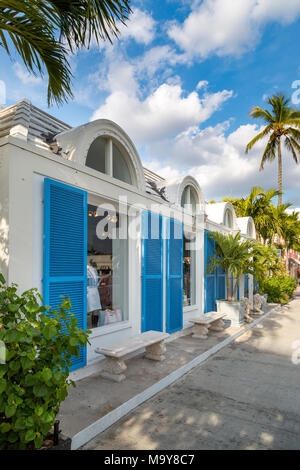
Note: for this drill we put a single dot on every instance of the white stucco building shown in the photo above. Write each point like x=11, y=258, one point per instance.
x=63, y=190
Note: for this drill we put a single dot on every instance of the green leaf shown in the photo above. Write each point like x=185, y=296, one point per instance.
x=26, y=363
x=13, y=307
x=10, y=410
x=39, y=410
x=38, y=441
x=3, y=384
x=40, y=390
x=74, y=341
x=30, y=380
x=5, y=427
x=46, y=375
x=50, y=331
x=20, y=424
x=32, y=307
x=2, y=279
x=30, y=435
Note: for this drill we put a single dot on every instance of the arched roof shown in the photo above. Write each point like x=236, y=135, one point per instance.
x=246, y=226
x=77, y=141
x=216, y=213
x=176, y=187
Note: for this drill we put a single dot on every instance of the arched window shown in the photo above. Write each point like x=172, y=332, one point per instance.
x=228, y=220
x=189, y=197
x=96, y=155
x=120, y=167
x=250, y=231
x=109, y=157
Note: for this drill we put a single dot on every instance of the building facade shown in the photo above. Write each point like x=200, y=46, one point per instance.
x=81, y=217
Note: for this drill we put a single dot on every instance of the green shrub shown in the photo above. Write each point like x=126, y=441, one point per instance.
x=279, y=288
x=34, y=378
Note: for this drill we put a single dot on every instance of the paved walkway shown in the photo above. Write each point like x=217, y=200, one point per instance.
x=245, y=397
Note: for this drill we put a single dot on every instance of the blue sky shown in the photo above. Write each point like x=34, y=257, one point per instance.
x=181, y=81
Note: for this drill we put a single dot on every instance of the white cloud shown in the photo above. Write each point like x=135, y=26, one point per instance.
x=165, y=112
x=140, y=26
x=219, y=162
x=226, y=27
x=26, y=77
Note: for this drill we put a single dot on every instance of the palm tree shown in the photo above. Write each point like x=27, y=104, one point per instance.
x=289, y=230
x=43, y=32
x=258, y=205
x=234, y=256
x=282, y=122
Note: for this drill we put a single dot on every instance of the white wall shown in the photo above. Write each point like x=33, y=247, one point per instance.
x=4, y=211
x=28, y=167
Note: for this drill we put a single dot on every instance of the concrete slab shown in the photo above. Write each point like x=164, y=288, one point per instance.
x=245, y=397
x=94, y=396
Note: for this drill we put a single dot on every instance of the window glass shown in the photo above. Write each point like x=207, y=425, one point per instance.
x=107, y=269
x=189, y=271
x=120, y=167
x=96, y=155
x=228, y=219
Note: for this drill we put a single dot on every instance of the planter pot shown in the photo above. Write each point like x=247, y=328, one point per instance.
x=234, y=312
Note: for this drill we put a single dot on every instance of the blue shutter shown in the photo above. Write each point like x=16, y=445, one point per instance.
x=246, y=285
x=174, y=276
x=221, y=283
x=152, y=272
x=210, y=279
x=65, y=251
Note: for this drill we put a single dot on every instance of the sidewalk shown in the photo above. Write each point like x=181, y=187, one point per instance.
x=95, y=397
x=245, y=397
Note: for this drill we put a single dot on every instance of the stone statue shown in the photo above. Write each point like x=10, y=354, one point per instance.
x=257, y=304
x=247, y=303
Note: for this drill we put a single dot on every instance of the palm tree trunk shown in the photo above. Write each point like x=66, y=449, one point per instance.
x=279, y=173
x=287, y=260
x=229, y=298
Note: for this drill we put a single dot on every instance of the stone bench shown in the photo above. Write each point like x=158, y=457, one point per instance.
x=202, y=323
x=152, y=341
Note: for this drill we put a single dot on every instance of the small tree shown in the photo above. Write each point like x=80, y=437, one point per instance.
x=234, y=256
x=39, y=343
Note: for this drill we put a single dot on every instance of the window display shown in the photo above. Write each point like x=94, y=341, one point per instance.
x=107, y=269
x=189, y=272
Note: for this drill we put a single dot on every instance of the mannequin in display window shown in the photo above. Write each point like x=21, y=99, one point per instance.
x=93, y=297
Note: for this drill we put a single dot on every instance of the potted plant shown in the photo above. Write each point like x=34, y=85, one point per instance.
x=234, y=256
x=34, y=374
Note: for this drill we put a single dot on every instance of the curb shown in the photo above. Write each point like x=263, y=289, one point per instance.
x=91, y=431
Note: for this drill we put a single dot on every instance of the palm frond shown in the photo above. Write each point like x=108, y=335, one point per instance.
x=269, y=152
x=34, y=40
x=259, y=113
x=258, y=137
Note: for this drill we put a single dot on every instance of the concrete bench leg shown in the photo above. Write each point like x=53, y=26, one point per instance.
x=155, y=352
x=218, y=325
x=199, y=331
x=113, y=369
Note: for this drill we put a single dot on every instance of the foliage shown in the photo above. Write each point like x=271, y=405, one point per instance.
x=269, y=220
x=265, y=261
x=34, y=379
x=282, y=122
x=43, y=32
x=234, y=256
x=279, y=288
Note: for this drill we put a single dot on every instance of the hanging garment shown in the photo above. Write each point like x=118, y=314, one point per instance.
x=93, y=297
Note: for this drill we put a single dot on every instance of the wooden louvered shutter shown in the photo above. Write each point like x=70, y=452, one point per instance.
x=65, y=251
x=210, y=279
x=152, y=272
x=174, y=276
